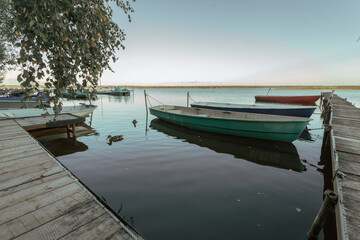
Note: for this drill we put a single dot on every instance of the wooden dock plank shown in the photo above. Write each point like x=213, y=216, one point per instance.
x=121, y=235
x=37, y=218
x=34, y=190
x=75, y=219
x=345, y=124
x=15, y=143
x=24, y=207
x=35, y=158
x=40, y=200
x=31, y=173
x=9, y=153
x=347, y=145
x=346, y=131
x=23, y=186
x=103, y=226
x=349, y=156
x=20, y=154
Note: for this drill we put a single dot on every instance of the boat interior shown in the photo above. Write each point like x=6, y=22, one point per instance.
x=199, y=112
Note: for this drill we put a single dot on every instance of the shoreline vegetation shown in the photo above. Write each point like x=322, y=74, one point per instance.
x=317, y=87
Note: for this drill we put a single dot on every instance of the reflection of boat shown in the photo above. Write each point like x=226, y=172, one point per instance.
x=285, y=110
x=121, y=92
x=276, y=154
x=305, y=135
x=64, y=146
x=75, y=95
x=288, y=99
x=264, y=126
x=82, y=110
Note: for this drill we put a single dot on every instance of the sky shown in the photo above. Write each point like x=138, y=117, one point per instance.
x=238, y=42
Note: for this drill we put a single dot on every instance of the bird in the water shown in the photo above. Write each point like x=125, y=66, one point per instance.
x=115, y=138
x=134, y=122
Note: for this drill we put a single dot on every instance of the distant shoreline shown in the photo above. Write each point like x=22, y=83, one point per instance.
x=205, y=87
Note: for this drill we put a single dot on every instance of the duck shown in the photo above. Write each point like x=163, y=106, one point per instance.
x=134, y=122
x=115, y=138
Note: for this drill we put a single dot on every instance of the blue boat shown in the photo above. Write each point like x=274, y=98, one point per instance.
x=120, y=92
x=283, y=110
x=17, y=102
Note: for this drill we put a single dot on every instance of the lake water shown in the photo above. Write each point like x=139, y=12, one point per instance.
x=175, y=183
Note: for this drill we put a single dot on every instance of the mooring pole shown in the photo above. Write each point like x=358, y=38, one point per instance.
x=327, y=207
x=187, y=99
x=146, y=102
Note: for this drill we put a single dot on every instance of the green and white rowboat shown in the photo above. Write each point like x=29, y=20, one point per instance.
x=264, y=126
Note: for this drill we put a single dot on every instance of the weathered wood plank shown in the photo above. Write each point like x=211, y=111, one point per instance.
x=12, y=137
x=349, y=156
x=346, y=125
x=20, y=154
x=34, y=158
x=346, y=132
x=36, y=172
x=67, y=223
x=39, y=200
x=121, y=235
x=31, y=183
x=22, y=208
x=16, y=143
x=352, y=217
x=34, y=190
x=351, y=193
x=32, y=220
x=346, y=121
x=4, y=123
x=350, y=167
x=100, y=228
x=347, y=145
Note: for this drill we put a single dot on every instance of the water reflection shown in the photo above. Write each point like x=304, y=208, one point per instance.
x=64, y=146
x=306, y=136
x=120, y=99
x=270, y=153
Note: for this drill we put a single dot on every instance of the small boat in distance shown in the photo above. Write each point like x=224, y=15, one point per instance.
x=289, y=99
x=263, y=126
x=284, y=110
x=82, y=110
x=120, y=92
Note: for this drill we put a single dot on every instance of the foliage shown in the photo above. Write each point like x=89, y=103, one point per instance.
x=7, y=53
x=66, y=43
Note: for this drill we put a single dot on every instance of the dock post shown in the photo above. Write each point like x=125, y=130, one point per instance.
x=327, y=207
x=146, y=103
x=187, y=99
x=73, y=130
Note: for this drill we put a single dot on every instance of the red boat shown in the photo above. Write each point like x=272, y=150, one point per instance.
x=288, y=99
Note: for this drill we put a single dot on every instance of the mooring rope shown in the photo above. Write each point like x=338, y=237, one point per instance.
x=148, y=96
x=191, y=98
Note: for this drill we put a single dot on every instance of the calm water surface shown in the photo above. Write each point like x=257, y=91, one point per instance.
x=175, y=183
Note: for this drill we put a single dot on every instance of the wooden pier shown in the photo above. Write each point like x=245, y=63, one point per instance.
x=41, y=199
x=344, y=135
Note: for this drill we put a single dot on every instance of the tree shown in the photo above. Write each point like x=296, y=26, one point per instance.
x=7, y=53
x=66, y=43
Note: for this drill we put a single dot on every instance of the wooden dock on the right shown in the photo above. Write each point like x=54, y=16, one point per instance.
x=344, y=126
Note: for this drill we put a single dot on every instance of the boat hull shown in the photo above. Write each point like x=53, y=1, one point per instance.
x=295, y=112
x=19, y=104
x=80, y=110
x=285, y=131
x=288, y=99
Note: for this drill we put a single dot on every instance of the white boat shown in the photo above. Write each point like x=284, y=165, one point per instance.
x=82, y=110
